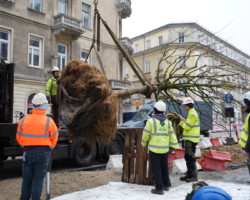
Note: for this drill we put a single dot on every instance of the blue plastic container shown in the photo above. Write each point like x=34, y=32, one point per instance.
x=211, y=193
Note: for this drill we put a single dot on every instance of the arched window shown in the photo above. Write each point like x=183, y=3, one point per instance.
x=29, y=103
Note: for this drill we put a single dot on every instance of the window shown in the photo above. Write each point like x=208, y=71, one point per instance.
x=159, y=67
x=62, y=55
x=181, y=81
x=84, y=55
x=35, y=51
x=85, y=15
x=137, y=48
x=36, y=5
x=182, y=61
x=181, y=37
x=126, y=71
x=147, y=66
x=160, y=40
x=63, y=6
x=5, y=45
x=148, y=44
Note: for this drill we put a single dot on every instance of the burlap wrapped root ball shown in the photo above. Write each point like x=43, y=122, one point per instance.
x=177, y=128
x=86, y=85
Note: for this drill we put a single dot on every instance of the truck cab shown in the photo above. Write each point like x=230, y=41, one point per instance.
x=204, y=110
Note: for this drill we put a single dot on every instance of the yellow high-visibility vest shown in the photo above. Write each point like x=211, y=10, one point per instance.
x=51, y=87
x=191, y=127
x=159, y=137
x=244, y=133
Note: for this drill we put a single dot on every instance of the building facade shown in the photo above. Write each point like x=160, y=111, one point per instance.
x=36, y=35
x=177, y=40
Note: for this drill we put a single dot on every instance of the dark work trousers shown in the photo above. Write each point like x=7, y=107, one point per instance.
x=55, y=108
x=159, y=165
x=34, y=169
x=190, y=148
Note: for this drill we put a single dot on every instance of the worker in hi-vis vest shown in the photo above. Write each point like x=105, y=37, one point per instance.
x=160, y=137
x=191, y=137
x=51, y=92
x=244, y=138
x=37, y=134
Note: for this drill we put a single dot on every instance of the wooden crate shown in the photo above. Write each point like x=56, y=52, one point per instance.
x=136, y=165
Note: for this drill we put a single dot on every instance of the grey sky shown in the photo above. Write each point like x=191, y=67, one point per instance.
x=230, y=17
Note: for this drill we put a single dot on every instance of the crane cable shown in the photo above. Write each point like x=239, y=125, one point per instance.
x=96, y=40
x=139, y=73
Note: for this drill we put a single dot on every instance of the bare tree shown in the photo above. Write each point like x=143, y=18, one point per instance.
x=187, y=74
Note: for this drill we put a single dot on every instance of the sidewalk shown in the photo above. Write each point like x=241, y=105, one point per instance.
x=234, y=182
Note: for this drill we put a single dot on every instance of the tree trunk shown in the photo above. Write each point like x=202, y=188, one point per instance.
x=146, y=90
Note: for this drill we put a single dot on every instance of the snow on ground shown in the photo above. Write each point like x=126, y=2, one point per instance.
x=119, y=190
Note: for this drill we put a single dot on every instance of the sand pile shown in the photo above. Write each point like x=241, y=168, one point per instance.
x=88, y=104
x=235, y=150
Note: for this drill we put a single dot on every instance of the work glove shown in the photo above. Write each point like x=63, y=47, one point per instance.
x=170, y=150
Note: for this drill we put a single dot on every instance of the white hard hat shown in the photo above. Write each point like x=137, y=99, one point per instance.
x=187, y=100
x=247, y=96
x=160, y=106
x=55, y=68
x=39, y=99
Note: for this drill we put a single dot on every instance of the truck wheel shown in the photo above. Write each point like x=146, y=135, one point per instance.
x=84, y=154
x=116, y=146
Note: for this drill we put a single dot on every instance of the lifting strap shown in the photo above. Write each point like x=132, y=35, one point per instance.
x=97, y=17
x=97, y=41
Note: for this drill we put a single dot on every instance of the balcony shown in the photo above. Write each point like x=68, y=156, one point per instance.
x=124, y=8
x=127, y=43
x=119, y=84
x=67, y=25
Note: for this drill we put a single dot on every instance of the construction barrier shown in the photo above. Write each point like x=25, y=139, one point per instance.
x=171, y=158
x=180, y=167
x=198, y=152
x=221, y=155
x=205, y=143
x=179, y=153
x=216, y=142
x=215, y=160
x=212, y=164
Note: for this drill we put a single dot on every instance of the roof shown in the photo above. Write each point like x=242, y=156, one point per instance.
x=195, y=25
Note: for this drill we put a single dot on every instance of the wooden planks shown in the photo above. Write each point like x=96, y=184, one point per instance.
x=136, y=165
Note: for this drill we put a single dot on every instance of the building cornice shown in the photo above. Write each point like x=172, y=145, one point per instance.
x=26, y=81
x=25, y=19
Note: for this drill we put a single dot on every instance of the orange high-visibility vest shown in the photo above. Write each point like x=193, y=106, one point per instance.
x=37, y=129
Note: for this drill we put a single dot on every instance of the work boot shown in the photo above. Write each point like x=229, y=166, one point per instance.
x=166, y=188
x=193, y=176
x=187, y=175
x=155, y=191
